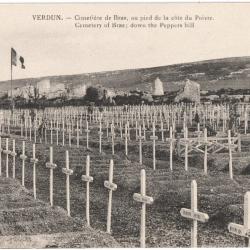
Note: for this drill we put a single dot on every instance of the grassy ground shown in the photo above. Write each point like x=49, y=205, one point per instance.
x=218, y=196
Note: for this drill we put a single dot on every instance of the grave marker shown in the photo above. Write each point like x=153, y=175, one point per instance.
x=23, y=157
x=51, y=167
x=87, y=178
x=67, y=171
x=154, y=138
x=243, y=230
x=87, y=134
x=7, y=152
x=230, y=155
x=100, y=133
x=205, y=150
x=13, y=154
x=34, y=160
x=112, y=187
x=144, y=199
x=194, y=214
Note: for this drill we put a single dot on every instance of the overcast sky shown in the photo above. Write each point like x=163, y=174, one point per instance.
x=54, y=48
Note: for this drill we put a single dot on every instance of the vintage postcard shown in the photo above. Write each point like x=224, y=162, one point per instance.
x=124, y=125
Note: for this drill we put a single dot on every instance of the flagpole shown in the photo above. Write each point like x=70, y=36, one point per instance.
x=11, y=79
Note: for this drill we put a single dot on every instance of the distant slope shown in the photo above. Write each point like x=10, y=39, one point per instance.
x=212, y=75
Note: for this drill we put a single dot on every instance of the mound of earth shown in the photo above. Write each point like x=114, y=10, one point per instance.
x=29, y=223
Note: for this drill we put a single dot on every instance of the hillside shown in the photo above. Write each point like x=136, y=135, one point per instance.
x=212, y=74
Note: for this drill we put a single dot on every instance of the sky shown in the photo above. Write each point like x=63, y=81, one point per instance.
x=58, y=48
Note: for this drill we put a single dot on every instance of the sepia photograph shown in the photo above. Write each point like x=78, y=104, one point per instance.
x=124, y=125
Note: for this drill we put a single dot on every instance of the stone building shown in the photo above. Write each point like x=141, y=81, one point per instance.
x=25, y=92
x=157, y=87
x=190, y=91
x=77, y=91
x=43, y=87
x=56, y=90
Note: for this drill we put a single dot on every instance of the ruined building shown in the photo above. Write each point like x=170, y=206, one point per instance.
x=157, y=87
x=190, y=91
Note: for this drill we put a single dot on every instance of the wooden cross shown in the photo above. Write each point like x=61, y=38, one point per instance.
x=186, y=147
x=230, y=146
x=87, y=178
x=34, y=160
x=126, y=139
x=1, y=150
x=51, y=167
x=63, y=133
x=243, y=230
x=7, y=152
x=45, y=133
x=30, y=128
x=205, y=150
x=69, y=133
x=120, y=126
x=67, y=171
x=113, y=137
x=23, y=157
x=136, y=130
x=100, y=133
x=162, y=131
x=107, y=129
x=26, y=127
x=57, y=131
x=77, y=134
x=51, y=132
x=87, y=134
x=144, y=199
x=112, y=187
x=194, y=214
x=154, y=138
x=35, y=129
x=144, y=129
x=140, y=137
x=13, y=154
x=171, y=148
x=128, y=130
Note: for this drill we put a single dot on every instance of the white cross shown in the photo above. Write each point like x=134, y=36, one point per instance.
x=154, y=138
x=194, y=214
x=144, y=199
x=230, y=146
x=51, y=167
x=140, y=137
x=63, y=133
x=100, y=133
x=126, y=139
x=67, y=172
x=77, y=134
x=205, y=150
x=87, y=134
x=113, y=137
x=243, y=230
x=186, y=147
x=23, y=157
x=87, y=178
x=112, y=187
x=34, y=160
x=162, y=131
x=13, y=154
x=7, y=152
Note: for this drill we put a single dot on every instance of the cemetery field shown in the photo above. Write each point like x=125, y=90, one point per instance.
x=218, y=196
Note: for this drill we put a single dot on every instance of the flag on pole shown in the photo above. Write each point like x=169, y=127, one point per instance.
x=14, y=60
x=13, y=57
x=21, y=59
